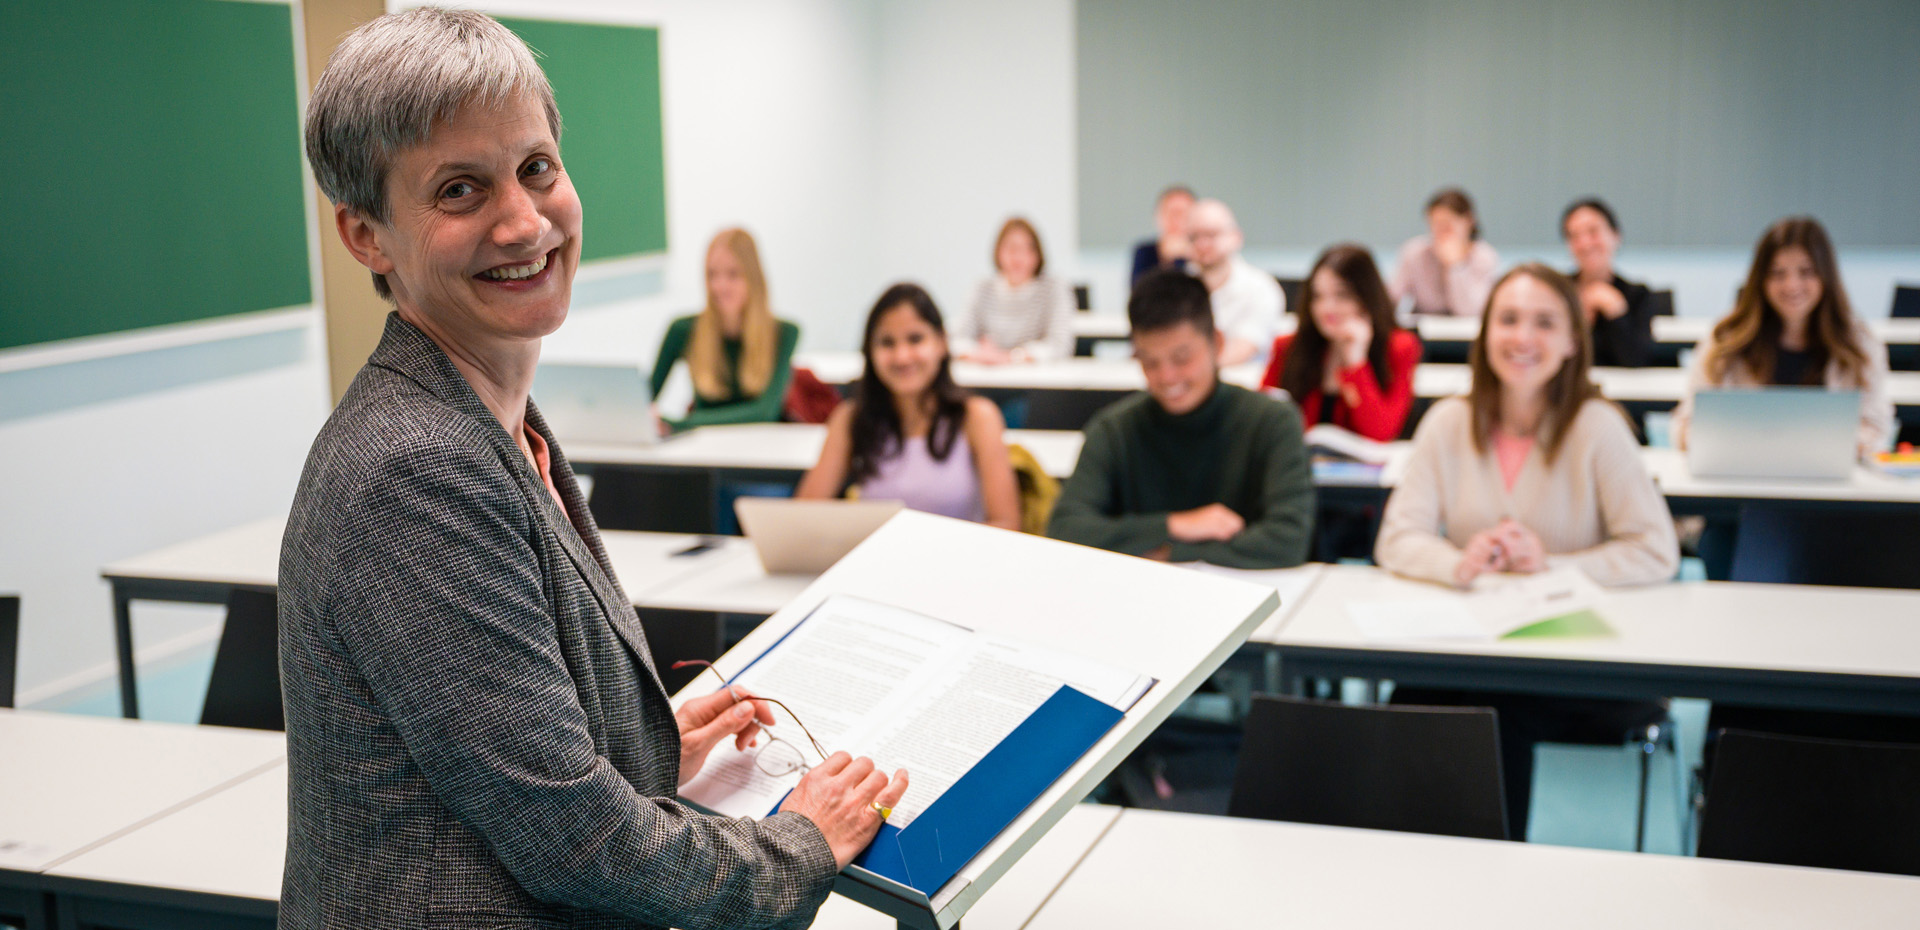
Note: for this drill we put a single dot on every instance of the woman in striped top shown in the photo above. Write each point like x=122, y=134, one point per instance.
x=1532, y=470
x=1020, y=314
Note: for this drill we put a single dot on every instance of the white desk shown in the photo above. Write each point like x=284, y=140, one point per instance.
x=1783, y=645
x=1867, y=487
x=780, y=447
x=206, y=569
x=1067, y=374
x=69, y=782
x=220, y=857
x=1158, y=869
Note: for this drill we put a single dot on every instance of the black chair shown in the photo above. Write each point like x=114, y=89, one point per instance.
x=1834, y=804
x=1291, y=288
x=1660, y=303
x=1082, y=298
x=1906, y=300
x=661, y=501
x=1385, y=767
x=1796, y=545
x=9, y=646
x=245, y=688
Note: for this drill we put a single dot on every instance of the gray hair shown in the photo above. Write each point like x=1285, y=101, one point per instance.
x=390, y=80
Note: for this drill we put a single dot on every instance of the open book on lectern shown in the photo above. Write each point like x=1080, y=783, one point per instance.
x=982, y=724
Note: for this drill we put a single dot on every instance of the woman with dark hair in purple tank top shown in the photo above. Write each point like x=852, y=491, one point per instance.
x=910, y=433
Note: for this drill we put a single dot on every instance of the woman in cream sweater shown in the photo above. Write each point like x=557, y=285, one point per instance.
x=1531, y=470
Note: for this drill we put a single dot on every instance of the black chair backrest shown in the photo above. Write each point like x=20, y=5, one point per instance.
x=9, y=646
x=245, y=688
x=1793, y=800
x=1790, y=545
x=1660, y=303
x=658, y=501
x=1291, y=288
x=1906, y=300
x=1082, y=297
x=1401, y=767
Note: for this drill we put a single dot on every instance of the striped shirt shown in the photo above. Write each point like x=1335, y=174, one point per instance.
x=1036, y=316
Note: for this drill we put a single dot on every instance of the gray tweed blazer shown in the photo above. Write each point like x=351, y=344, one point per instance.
x=476, y=736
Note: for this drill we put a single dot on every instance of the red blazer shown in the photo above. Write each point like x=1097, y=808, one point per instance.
x=1378, y=413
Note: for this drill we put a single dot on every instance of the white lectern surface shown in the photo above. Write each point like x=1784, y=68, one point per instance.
x=1174, y=625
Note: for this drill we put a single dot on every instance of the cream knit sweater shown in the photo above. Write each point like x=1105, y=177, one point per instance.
x=1594, y=508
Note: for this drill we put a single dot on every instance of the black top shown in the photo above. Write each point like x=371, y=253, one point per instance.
x=1628, y=341
x=1146, y=257
x=1790, y=367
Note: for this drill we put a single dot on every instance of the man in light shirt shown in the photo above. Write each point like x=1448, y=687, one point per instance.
x=1247, y=302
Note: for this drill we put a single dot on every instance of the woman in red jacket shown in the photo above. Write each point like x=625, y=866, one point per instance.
x=1348, y=363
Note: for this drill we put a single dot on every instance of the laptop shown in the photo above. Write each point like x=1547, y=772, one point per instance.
x=807, y=536
x=596, y=403
x=1802, y=433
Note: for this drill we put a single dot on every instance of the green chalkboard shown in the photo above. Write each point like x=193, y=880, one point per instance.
x=606, y=80
x=157, y=173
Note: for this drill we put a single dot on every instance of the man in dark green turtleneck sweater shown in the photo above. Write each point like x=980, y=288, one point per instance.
x=1193, y=469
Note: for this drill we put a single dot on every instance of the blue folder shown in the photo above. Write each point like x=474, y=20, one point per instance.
x=977, y=807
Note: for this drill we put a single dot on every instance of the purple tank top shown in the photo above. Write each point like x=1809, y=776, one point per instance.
x=950, y=488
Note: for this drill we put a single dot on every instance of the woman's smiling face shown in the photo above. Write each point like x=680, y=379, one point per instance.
x=483, y=229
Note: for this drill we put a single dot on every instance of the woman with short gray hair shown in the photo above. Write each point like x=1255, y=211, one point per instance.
x=476, y=734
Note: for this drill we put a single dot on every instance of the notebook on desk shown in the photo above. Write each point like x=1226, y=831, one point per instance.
x=1795, y=433
x=807, y=536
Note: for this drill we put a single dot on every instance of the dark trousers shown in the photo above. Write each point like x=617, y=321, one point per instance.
x=1526, y=720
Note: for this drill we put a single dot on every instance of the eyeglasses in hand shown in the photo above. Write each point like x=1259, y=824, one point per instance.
x=777, y=757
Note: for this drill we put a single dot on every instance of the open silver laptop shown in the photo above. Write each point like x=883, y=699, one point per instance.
x=808, y=536
x=1775, y=432
x=596, y=403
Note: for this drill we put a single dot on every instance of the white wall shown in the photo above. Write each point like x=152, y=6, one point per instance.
x=976, y=125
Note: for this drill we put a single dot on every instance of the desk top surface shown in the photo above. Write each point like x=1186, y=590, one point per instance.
x=1678, y=330
x=233, y=842
x=1719, y=624
x=112, y=775
x=1157, y=869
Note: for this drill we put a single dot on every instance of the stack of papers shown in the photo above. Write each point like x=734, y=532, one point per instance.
x=1562, y=602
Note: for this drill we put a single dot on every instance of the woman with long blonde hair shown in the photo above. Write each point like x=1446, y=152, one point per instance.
x=1792, y=324
x=740, y=356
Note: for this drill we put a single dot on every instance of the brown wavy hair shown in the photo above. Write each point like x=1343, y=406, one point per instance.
x=1750, y=335
x=759, y=331
x=1570, y=388
x=1306, y=362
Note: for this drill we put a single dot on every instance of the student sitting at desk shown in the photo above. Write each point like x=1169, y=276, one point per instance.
x=910, y=433
x=1247, y=302
x=1170, y=247
x=1348, y=363
x=739, y=354
x=1449, y=270
x=1619, y=311
x=1792, y=324
x=1531, y=470
x=1020, y=314
x=1193, y=469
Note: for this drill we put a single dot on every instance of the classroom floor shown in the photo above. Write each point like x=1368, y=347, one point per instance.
x=1582, y=796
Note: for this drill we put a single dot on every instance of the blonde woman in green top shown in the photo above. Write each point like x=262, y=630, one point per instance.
x=739, y=354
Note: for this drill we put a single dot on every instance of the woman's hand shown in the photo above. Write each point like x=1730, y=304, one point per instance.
x=1484, y=553
x=1452, y=248
x=987, y=353
x=1525, y=551
x=1355, y=339
x=705, y=721
x=840, y=796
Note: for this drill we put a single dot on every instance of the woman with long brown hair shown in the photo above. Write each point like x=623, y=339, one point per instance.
x=739, y=355
x=1793, y=325
x=910, y=433
x=1348, y=363
x=1532, y=469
